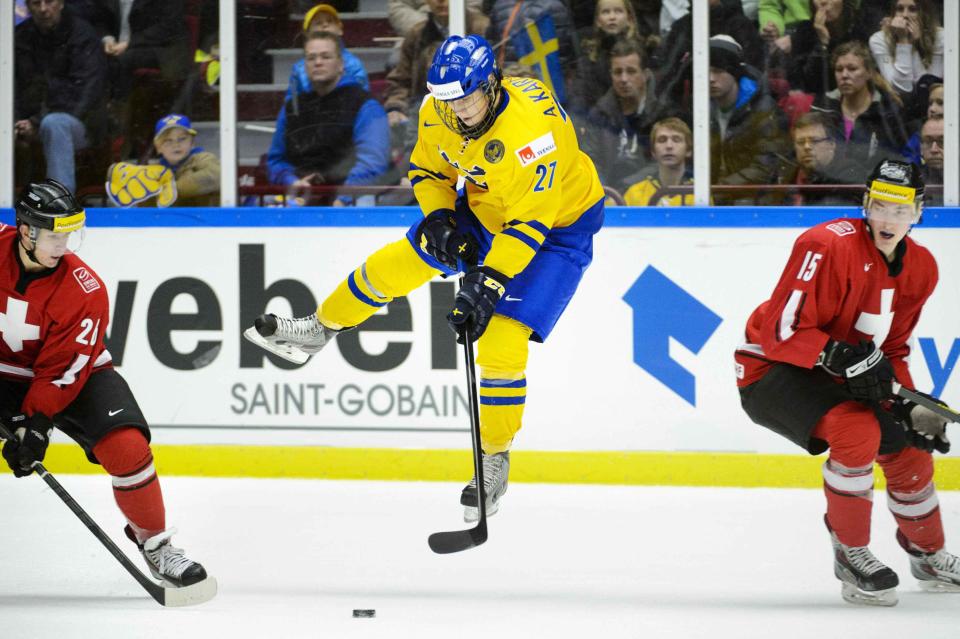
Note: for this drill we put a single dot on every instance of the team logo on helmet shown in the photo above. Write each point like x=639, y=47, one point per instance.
x=897, y=172
x=494, y=151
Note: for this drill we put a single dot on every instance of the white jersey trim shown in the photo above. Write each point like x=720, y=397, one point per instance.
x=789, y=315
x=16, y=370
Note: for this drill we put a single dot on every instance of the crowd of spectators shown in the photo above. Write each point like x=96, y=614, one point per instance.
x=804, y=94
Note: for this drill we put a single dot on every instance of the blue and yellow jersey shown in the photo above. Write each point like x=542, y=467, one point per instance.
x=523, y=177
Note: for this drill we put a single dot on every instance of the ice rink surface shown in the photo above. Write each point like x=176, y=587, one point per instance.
x=295, y=557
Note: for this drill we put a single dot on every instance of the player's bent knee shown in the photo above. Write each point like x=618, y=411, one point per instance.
x=396, y=269
x=123, y=451
x=503, y=347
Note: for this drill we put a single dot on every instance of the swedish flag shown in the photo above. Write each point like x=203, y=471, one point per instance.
x=537, y=46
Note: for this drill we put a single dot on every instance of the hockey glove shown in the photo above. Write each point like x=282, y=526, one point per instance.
x=925, y=429
x=31, y=436
x=867, y=373
x=476, y=300
x=437, y=235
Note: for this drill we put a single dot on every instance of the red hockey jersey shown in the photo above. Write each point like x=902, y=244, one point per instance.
x=838, y=285
x=52, y=326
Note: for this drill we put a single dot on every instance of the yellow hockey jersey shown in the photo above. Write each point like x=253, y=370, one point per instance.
x=526, y=174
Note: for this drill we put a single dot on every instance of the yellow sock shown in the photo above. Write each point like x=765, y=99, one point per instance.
x=502, y=357
x=393, y=271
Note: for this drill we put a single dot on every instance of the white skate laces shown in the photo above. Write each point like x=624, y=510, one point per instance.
x=862, y=559
x=294, y=339
x=937, y=571
x=169, y=563
x=305, y=332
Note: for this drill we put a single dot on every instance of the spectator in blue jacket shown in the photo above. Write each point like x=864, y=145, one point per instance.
x=324, y=17
x=335, y=133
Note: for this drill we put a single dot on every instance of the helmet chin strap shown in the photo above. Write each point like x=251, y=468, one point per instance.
x=30, y=251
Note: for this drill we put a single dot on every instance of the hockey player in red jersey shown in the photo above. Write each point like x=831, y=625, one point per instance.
x=818, y=367
x=55, y=371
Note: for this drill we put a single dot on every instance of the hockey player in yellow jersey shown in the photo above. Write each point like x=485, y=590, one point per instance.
x=508, y=199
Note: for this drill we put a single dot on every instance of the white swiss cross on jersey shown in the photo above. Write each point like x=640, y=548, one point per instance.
x=877, y=325
x=14, y=326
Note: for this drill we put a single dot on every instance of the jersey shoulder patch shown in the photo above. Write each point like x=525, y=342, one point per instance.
x=86, y=279
x=841, y=228
x=536, y=149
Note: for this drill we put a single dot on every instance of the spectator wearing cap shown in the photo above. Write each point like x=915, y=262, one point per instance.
x=816, y=162
x=407, y=82
x=334, y=134
x=59, y=80
x=196, y=172
x=324, y=17
x=673, y=60
x=747, y=130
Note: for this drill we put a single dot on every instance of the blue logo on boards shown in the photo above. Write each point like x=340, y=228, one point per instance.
x=661, y=310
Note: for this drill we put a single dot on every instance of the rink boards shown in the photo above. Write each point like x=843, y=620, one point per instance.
x=637, y=382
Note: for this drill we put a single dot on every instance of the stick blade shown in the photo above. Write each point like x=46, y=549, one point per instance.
x=445, y=543
x=192, y=595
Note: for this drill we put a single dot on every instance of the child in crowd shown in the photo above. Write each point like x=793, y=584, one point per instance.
x=183, y=175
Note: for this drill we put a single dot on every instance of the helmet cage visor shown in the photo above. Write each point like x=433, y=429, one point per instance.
x=53, y=233
x=490, y=90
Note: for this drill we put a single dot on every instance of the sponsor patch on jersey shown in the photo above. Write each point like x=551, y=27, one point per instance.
x=87, y=280
x=842, y=228
x=493, y=152
x=544, y=145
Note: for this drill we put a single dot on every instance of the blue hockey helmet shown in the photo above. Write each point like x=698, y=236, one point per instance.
x=462, y=66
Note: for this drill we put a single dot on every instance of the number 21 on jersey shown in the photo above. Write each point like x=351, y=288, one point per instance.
x=809, y=268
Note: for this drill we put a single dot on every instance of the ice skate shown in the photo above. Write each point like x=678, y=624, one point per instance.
x=866, y=580
x=293, y=339
x=496, y=468
x=936, y=571
x=167, y=563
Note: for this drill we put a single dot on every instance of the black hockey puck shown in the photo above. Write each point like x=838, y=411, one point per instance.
x=364, y=613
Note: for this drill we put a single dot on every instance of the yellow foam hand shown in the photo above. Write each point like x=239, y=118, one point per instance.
x=129, y=184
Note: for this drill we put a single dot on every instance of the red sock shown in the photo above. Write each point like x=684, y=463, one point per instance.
x=125, y=454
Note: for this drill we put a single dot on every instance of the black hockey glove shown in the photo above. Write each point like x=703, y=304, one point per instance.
x=476, y=300
x=438, y=236
x=867, y=373
x=925, y=429
x=31, y=436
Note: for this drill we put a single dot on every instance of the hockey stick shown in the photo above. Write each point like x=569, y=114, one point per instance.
x=943, y=411
x=170, y=597
x=444, y=543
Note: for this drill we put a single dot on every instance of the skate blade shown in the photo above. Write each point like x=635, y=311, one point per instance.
x=191, y=595
x=471, y=514
x=928, y=585
x=854, y=595
x=286, y=351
